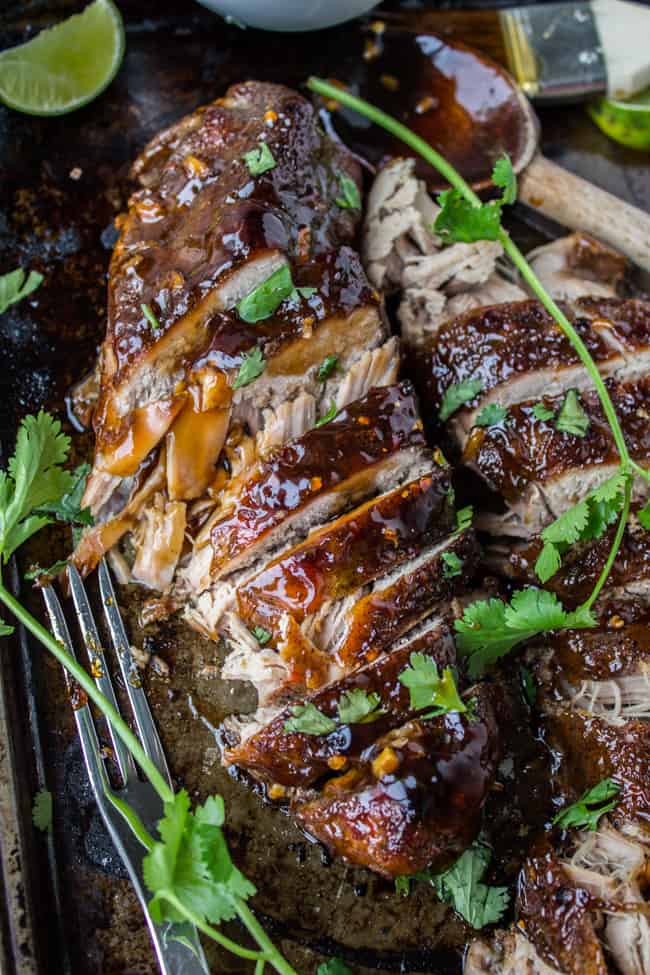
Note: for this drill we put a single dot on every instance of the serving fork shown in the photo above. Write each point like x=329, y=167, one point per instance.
x=177, y=947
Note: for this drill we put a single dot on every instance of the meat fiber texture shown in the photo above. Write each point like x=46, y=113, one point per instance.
x=300, y=515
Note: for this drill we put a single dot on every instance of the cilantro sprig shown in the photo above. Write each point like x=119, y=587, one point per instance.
x=16, y=285
x=587, y=811
x=430, y=689
x=355, y=706
x=42, y=811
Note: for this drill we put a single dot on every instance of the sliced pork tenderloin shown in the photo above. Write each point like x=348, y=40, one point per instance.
x=578, y=266
x=294, y=759
x=541, y=471
x=415, y=798
x=506, y=953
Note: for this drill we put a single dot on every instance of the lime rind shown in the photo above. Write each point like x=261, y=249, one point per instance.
x=627, y=123
x=66, y=66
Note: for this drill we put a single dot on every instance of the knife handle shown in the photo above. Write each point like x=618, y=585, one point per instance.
x=579, y=205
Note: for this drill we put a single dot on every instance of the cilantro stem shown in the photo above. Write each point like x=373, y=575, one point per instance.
x=271, y=953
x=207, y=929
x=74, y=668
x=613, y=552
x=452, y=176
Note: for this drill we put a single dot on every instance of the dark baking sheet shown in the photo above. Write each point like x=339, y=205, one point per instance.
x=67, y=904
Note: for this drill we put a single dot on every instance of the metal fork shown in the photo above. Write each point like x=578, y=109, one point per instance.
x=175, y=957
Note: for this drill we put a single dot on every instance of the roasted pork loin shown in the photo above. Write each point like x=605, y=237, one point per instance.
x=295, y=509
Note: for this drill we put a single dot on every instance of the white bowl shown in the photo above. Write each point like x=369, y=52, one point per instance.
x=289, y=14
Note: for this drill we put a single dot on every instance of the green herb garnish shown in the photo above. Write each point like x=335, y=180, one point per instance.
x=333, y=966
x=464, y=518
x=151, y=318
x=643, y=516
x=42, y=811
x=350, y=198
x=585, y=813
x=462, y=886
x=491, y=415
x=430, y=689
x=541, y=412
x=259, y=160
x=14, y=287
x=572, y=417
x=307, y=719
x=253, y=365
x=331, y=413
x=358, y=707
x=528, y=686
x=68, y=508
x=263, y=300
x=327, y=367
x=53, y=570
x=453, y=566
x=457, y=395
x=261, y=635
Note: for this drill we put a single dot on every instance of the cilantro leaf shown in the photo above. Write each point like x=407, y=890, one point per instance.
x=331, y=413
x=464, y=518
x=261, y=635
x=327, y=367
x=68, y=507
x=528, y=685
x=350, y=198
x=267, y=296
x=429, y=689
x=5, y=628
x=53, y=570
x=490, y=628
x=491, y=415
x=34, y=478
x=42, y=811
x=643, y=516
x=253, y=365
x=572, y=417
x=457, y=395
x=357, y=707
x=259, y=160
x=585, y=521
x=585, y=813
x=308, y=720
x=460, y=221
x=541, y=412
x=503, y=176
x=402, y=886
x=462, y=887
x=453, y=566
x=14, y=287
x=191, y=861
x=333, y=966
x=149, y=315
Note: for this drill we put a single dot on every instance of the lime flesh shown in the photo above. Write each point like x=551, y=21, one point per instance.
x=65, y=66
x=626, y=122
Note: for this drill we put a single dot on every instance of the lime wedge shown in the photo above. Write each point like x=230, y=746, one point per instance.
x=65, y=66
x=626, y=122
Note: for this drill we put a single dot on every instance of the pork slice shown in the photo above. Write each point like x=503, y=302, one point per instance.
x=556, y=915
x=577, y=266
x=158, y=542
x=592, y=748
x=397, y=810
x=506, y=953
x=357, y=548
x=363, y=449
x=541, y=471
x=363, y=623
x=518, y=353
x=295, y=759
x=628, y=582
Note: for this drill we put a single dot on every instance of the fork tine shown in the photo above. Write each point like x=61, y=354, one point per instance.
x=98, y=667
x=83, y=718
x=147, y=732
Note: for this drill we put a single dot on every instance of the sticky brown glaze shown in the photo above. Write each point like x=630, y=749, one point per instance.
x=522, y=449
x=389, y=611
x=557, y=916
x=198, y=220
x=590, y=749
x=499, y=343
x=416, y=799
x=583, y=563
x=595, y=655
x=331, y=457
x=293, y=759
x=357, y=548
